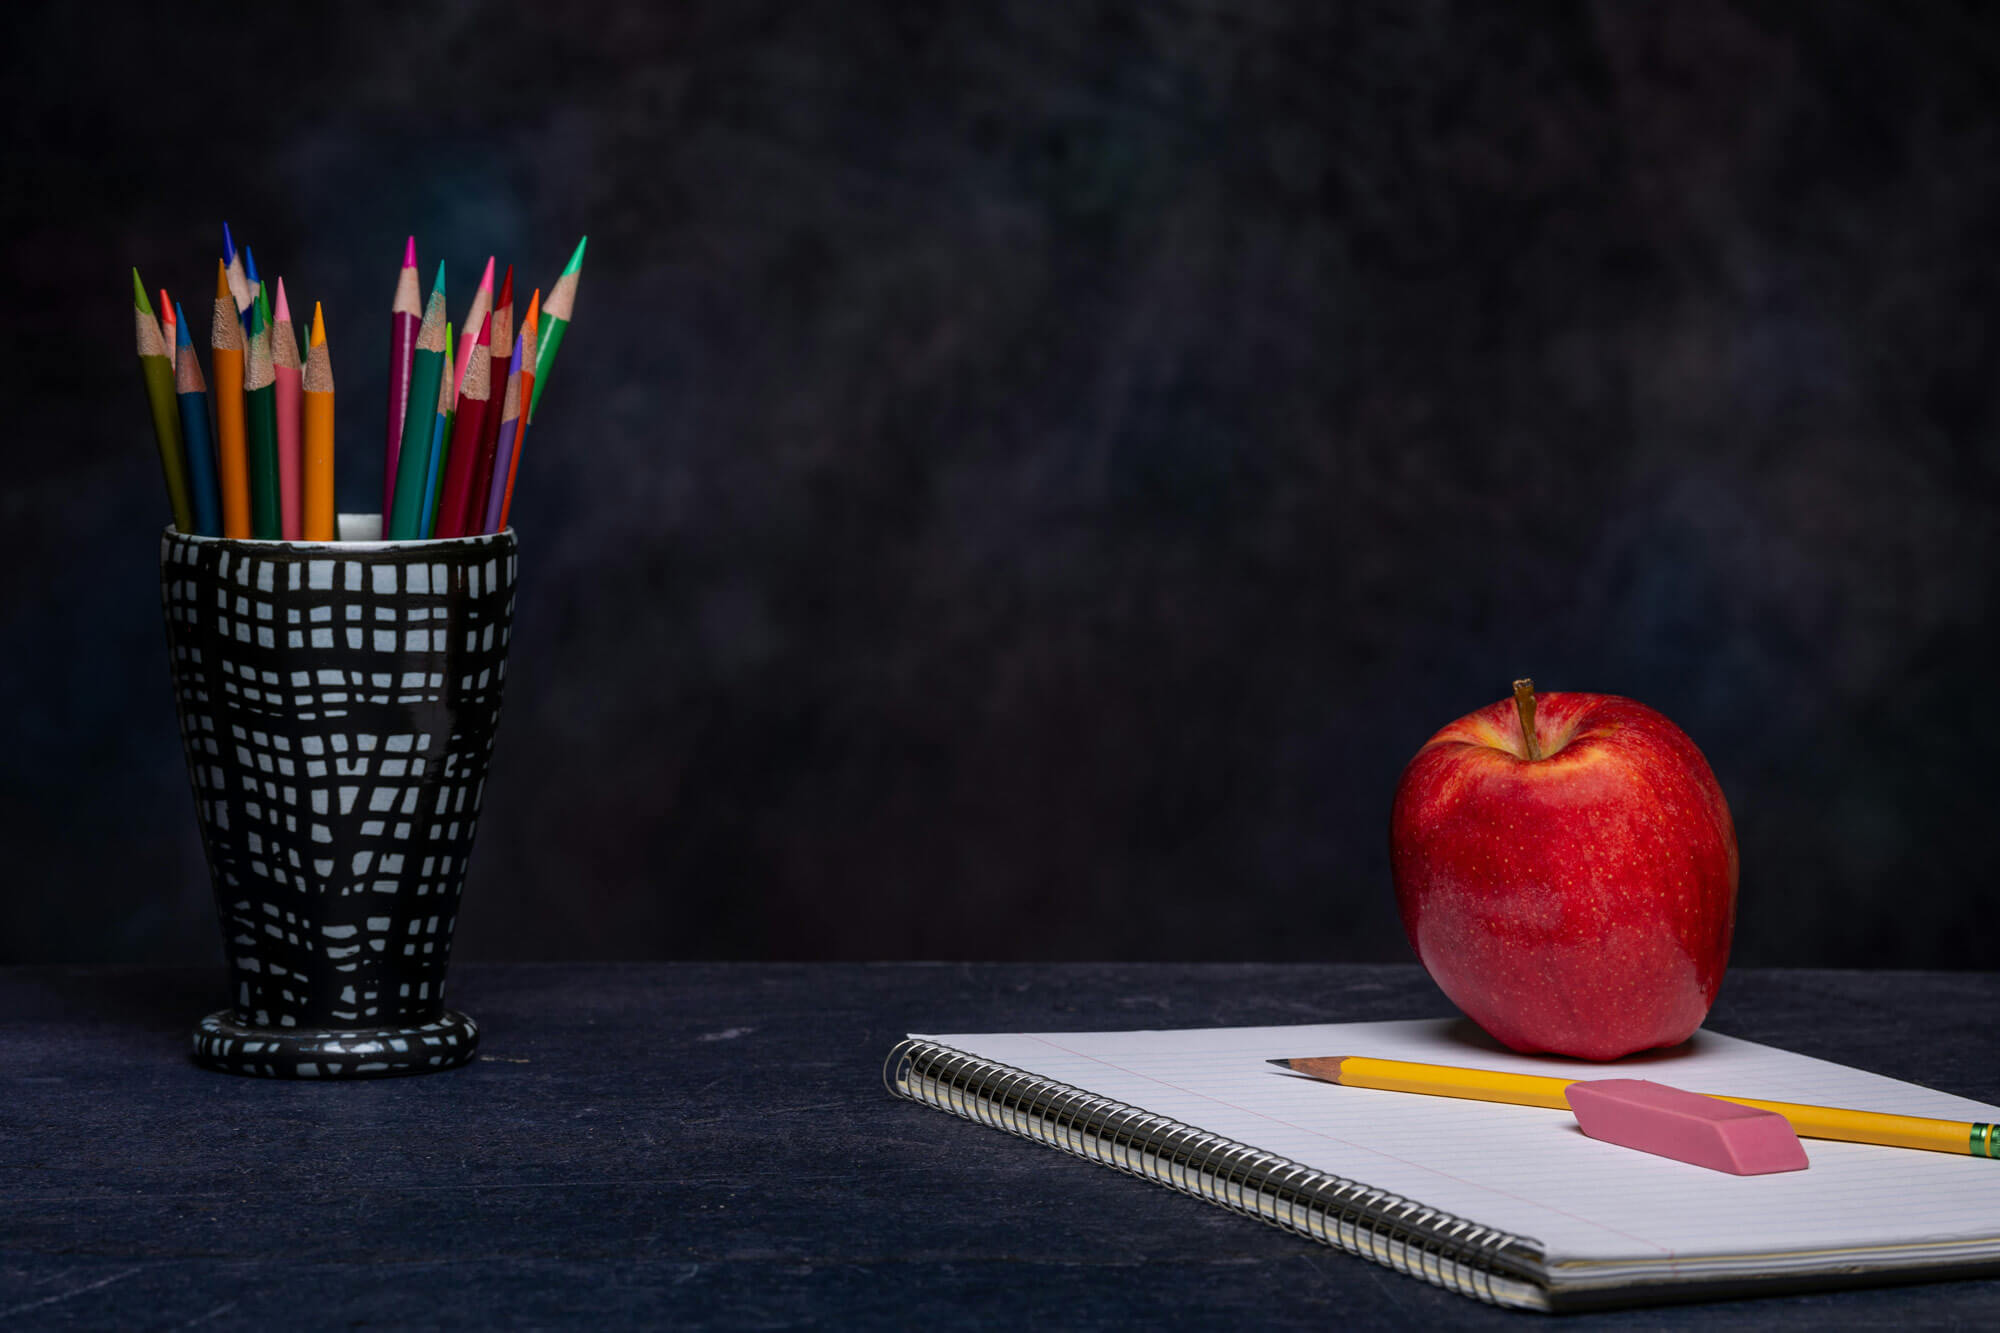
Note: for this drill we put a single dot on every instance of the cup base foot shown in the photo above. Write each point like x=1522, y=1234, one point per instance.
x=222, y=1043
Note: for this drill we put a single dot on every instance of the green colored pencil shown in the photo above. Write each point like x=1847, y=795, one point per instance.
x=260, y=411
x=556, y=313
x=156, y=365
x=406, y=514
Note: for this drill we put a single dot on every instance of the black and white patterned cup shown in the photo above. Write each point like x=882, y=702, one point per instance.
x=338, y=702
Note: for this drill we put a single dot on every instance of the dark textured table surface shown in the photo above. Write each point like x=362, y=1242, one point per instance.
x=710, y=1145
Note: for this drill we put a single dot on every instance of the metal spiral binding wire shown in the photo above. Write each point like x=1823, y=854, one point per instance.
x=1486, y=1264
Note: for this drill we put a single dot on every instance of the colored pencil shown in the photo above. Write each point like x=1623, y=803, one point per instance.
x=239, y=285
x=556, y=314
x=482, y=305
x=197, y=442
x=317, y=448
x=401, y=522
x=231, y=457
x=531, y=336
x=285, y=366
x=406, y=312
x=509, y=417
x=260, y=410
x=1490, y=1085
x=156, y=370
x=168, y=325
x=256, y=285
x=468, y=428
x=440, y=436
x=502, y=351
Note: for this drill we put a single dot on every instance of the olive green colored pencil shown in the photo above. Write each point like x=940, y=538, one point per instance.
x=556, y=312
x=156, y=364
x=260, y=410
x=407, y=515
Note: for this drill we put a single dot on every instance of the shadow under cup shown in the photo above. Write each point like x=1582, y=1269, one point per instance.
x=338, y=703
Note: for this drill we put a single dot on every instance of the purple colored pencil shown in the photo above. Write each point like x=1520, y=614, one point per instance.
x=503, y=462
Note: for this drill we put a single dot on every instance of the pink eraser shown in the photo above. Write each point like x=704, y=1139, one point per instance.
x=1686, y=1126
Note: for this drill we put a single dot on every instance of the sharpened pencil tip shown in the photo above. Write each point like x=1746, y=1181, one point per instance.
x=575, y=264
x=250, y=266
x=438, y=286
x=139, y=300
x=506, y=297
x=486, y=278
x=181, y=338
x=1282, y=1064
x=222, y=279
x=410, y=253
x=319, y=327
x=228, y=246
x=284, y=315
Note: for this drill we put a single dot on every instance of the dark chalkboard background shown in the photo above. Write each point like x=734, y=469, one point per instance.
x=1025, y=477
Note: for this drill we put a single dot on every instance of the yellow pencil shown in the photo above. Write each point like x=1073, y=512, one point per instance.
x=318, y=450
x=1965, y=1137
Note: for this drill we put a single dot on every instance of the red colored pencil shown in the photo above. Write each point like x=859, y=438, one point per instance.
x=406, y=315
x=489, y=439
x=462, y=459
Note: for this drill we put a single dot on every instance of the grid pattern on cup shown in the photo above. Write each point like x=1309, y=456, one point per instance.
x=338, y=712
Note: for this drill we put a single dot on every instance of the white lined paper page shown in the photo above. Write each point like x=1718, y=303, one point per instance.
x=1530, y=1171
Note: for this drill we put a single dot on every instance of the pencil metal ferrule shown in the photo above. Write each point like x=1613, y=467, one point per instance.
x=1983, y=1141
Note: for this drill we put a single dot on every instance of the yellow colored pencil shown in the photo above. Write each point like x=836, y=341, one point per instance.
x=1965, y=1137
x=317, y=481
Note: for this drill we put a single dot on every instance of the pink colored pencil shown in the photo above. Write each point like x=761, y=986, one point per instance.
x=482, y=305
x=462, y=460
x=406, y=315
x=288, y=374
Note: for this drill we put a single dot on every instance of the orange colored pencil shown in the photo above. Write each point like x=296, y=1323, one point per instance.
x=232, y=452
x=317, y=483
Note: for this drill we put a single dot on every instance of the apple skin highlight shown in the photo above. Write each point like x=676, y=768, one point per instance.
x=1582, y=903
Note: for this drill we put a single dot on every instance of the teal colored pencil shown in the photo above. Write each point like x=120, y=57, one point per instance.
x=557, y=310
x=440, y=443
x=405, y=519
x=197, y=441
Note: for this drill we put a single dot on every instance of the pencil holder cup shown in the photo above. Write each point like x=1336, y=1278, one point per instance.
x=338, y=702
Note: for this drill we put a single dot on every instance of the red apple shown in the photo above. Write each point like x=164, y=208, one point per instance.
x=1566, y=869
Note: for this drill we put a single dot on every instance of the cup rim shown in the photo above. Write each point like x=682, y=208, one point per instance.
x=341, y=544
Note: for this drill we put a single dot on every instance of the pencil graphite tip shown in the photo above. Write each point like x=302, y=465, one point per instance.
x=1282, y=1064
x=319, y=327
x=284, y=315
x=139, y=301
x=410, y=253
x=181, y=338
x=575, y=264
x=228, y=245
x=167, y=307
x=437, y=287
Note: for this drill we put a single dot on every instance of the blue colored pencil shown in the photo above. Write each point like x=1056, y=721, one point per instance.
x=197, y=442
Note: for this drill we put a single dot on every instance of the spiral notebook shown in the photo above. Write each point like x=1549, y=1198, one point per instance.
x=1507, y=1204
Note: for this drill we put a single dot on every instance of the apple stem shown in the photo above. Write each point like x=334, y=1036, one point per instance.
x=1524, y=704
